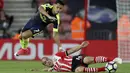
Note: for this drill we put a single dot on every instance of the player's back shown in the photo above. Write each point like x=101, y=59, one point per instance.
x=62, y=66
x=62, y=63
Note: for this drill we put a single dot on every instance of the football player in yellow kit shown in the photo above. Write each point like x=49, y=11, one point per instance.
x=47, y=14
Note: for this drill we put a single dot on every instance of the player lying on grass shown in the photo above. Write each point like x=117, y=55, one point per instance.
x=63, y=62
x=47, y=14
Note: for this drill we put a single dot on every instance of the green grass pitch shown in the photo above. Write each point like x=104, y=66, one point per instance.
x=26, y=66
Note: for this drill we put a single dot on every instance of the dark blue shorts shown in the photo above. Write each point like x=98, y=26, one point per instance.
x=35, y=24
x=78, y=61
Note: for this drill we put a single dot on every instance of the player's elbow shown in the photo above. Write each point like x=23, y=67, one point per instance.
x=40, y=9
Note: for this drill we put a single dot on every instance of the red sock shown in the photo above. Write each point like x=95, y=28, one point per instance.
x=102, y=59
x=23, y=51
x=93, y=69
x=101, y=69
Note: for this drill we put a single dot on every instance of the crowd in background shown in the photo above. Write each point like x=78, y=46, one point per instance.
x=5, y=20
x=72, y=20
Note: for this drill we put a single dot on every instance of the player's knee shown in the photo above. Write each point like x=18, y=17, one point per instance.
x=79, y=69
x=88, y=60
x=23, y=36
x=26, y=34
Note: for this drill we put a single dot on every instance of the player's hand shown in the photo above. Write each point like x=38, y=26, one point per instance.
x=52, y=18
x=34, y=69
x=84, y=44
x=60, y=49
x=50, y=69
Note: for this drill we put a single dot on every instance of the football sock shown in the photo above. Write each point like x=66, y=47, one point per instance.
x=89, y=70
x=24, y=43
x=102, y=59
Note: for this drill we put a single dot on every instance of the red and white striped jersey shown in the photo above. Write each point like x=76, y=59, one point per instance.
x=62, y=62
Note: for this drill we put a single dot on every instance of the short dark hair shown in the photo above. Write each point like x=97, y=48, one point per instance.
x=60, y=2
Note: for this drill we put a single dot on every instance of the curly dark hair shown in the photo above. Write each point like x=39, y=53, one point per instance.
x=60, y=2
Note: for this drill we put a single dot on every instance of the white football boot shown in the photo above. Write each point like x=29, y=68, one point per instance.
x=15, y=54
x=118, y=60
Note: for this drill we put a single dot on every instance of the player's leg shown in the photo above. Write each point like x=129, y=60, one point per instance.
x=25, y=34
x=89, y=70
x=97, y=59
x=24, y=38
x=24, y=41
x=100, y=59
x=78, y=64
x=30, y=29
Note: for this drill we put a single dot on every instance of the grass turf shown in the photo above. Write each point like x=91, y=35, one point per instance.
x=26, y=66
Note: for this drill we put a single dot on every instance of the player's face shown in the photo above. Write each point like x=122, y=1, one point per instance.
x=47, y=62
x=58, y=8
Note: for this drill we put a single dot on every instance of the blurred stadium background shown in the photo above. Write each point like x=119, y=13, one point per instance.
x=104, y=23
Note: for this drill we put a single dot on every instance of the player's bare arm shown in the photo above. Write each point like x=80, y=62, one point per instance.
x=57, y=40
x=77, y=48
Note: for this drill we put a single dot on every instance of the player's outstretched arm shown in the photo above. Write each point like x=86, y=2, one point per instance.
x=57, y=40
x=48, y=69
x=77, y=48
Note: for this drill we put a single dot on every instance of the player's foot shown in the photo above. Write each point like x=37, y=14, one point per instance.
x=15, y=54
x=118, y=60
x=21, y=52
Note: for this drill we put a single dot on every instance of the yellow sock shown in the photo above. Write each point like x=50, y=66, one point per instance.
x=24, y=43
